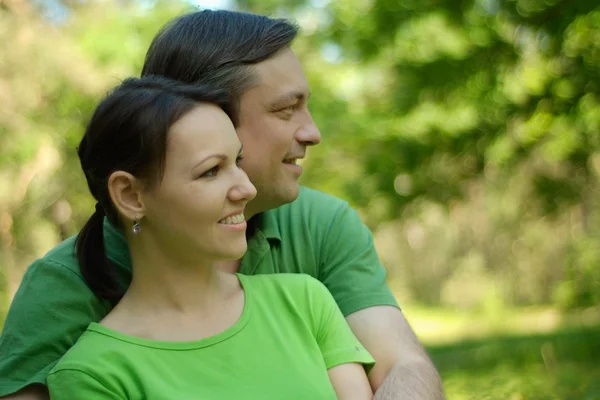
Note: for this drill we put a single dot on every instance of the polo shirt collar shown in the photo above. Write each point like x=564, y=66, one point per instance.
x=266, y=223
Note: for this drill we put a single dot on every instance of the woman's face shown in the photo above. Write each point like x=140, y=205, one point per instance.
x=197, y=208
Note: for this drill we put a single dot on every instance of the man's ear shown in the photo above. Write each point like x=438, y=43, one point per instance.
x=126, y=194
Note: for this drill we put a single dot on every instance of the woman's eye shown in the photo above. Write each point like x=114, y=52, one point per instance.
x=211, y=172
x=238, y=159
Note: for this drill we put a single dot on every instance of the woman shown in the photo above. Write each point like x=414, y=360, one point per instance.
x=161, y=160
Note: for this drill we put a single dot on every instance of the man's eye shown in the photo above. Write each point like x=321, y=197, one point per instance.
x=238, y=159
x=290, y=108
x=287, y=112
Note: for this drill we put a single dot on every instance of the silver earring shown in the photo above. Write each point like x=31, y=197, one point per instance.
x=136, y=226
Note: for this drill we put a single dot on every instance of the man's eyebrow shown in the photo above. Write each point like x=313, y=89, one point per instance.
x=289, y=97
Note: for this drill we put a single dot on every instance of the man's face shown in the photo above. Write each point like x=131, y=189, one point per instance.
x=275, y=129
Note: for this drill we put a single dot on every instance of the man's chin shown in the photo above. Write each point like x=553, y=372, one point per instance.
x=283, y=194
x=287, y=194
x=293, y=192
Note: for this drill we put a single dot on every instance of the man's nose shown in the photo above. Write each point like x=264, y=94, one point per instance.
x=308, y=134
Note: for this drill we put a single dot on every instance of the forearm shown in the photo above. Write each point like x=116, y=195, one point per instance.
x=418, y=380
x=31, y=392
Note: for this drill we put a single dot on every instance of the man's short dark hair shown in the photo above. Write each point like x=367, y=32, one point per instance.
x=217, y=48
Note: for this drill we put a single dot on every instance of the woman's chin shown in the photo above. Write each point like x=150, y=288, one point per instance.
x=236, y=252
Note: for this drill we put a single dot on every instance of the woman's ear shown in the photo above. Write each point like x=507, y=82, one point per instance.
x=126, y=194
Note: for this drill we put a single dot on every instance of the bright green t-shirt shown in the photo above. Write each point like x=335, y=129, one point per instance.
x=317, y=234
x=289, y=334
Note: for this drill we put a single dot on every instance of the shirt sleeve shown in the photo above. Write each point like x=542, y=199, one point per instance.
x=78, y=385
x=334, y=336
x=51, y=309
x=349, y=264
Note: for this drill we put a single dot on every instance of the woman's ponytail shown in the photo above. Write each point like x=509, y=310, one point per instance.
x=97, y=270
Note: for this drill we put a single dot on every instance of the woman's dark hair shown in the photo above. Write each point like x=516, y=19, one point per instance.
x=217, y=48
x=128, y=132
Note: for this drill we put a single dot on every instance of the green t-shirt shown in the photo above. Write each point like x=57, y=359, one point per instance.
x=317, y=234
x=289, y=334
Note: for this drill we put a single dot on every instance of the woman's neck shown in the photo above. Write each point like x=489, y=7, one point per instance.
x=166, y=281
x=175, y=298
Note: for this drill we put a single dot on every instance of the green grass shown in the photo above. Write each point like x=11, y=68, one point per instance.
x=561, y=365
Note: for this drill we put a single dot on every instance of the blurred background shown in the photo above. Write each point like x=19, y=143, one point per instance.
x=466, y=132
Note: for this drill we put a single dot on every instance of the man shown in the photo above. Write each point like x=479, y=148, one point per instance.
x=293, y=229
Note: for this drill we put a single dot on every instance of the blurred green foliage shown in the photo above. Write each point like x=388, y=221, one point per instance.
x=467, y=133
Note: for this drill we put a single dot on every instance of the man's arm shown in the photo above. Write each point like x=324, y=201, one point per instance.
x=51, y=309
x=402, y=370
x=31, y=392
x=349, y=266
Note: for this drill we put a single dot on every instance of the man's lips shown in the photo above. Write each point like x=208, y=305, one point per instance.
x=293, y=159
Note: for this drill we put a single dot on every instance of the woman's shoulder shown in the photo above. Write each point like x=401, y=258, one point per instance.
x=95, y=347
x=288, y=281
x=294, y=287
x=80, y=355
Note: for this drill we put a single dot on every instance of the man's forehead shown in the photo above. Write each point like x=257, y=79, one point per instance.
x=282, y=92
x=282, y=71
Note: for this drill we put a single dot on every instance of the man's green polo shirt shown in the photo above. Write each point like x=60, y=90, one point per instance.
x=317, y=234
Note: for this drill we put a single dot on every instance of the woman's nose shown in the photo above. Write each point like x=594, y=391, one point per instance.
x=243, y=189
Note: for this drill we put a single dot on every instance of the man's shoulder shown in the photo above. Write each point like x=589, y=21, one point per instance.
x=65, y=250
x=58, y=268
x=312, y=197
x=62, y=256
x=307, y=220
